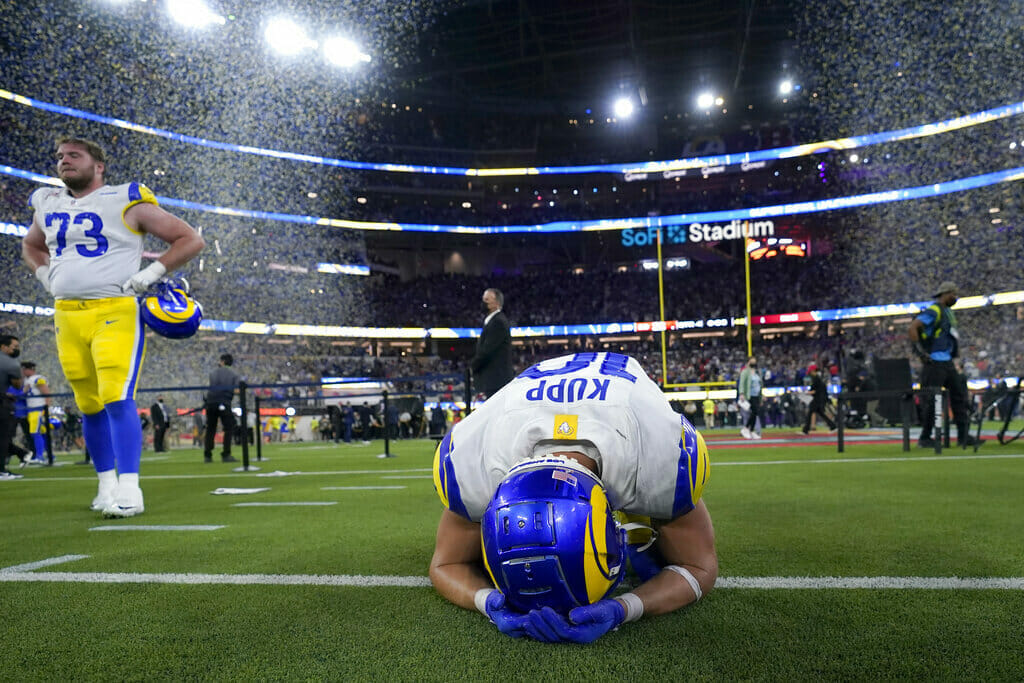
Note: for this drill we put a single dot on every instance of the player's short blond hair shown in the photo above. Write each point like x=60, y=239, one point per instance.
x=95, y=151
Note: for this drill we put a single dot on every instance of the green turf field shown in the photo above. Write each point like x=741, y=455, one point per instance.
x=268, y=595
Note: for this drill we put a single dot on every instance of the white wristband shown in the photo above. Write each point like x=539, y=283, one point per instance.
x=634, y=606
x=480, y=600
x=690, y=579
x=157, y=269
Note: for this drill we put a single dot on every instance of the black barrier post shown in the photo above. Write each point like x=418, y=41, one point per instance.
x=387, y=430
x=981, y=420
x=258, y=429
x=840, y=421
x=469, y=393
x=47, y=432
x=242, y=400
x=936, y=418
x=945, y=420
x=906, y=413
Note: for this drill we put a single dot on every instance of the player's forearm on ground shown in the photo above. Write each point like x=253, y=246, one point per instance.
x=669, y=591
x=458, y=583
x=182, y=250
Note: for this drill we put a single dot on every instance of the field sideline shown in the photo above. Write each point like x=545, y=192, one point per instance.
x=870, y=564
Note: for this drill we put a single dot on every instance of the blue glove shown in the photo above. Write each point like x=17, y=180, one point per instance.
x=508, y=621
x=547, y=626
x=584, y=625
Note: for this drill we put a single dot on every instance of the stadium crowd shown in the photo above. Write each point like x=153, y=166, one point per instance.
x=263, y=270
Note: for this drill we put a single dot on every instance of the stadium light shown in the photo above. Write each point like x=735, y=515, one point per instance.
x=786, y=87
x=286, y=37
x=705, y=100
x=343, y=52
x=623, y=108
x=193, y=13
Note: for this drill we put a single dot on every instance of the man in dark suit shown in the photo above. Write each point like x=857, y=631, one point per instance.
x=492, y=364
x=158, y=413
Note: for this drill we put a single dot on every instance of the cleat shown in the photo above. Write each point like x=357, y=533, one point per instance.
x=745, y=433
x=125, y=502
x=755, y=435
x=102, y=500
x=228, y=458
x=926, y=443
x=5, y=476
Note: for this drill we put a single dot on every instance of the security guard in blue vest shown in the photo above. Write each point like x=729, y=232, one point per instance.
x=934, y=339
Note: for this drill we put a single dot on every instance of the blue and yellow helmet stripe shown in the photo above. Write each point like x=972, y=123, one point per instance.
x=597, y=573
x=445, y=482
x=694, y=469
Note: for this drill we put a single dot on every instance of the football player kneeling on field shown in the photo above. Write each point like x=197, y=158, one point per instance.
x=542, y=488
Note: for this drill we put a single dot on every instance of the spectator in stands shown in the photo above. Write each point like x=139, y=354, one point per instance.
x=789, y=412
x=935, y=341
x=438, y=422
x=709, y=412
x=751, y=382
x=348, y=419
x=861, y=378
x=10, y=376
x=492, y=363
x=333, y=422
x=37, y=399
x=161, y=420
x=223, y=383
x=819, y=400
x=198, y=426
x=391, y=421
x=21, y=418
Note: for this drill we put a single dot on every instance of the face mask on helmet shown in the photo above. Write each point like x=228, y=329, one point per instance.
x=169, y=310
x=549, y=537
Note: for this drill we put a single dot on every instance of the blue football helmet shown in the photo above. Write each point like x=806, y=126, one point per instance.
x=169, y=310
x=550, y=538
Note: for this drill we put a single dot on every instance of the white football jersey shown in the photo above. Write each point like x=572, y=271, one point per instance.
x=35, y=397
x=92, y=251
x=650, y=458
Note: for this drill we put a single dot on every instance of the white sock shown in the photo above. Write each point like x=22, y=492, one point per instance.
x=108, y=480
x=129, y=479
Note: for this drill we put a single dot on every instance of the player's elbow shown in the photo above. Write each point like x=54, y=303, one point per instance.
x=442, y=580
x=707, y=575
x=438, y=571
x=196, y=244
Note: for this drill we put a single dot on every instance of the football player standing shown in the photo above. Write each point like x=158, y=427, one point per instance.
x=85, y=247
x=536, y=485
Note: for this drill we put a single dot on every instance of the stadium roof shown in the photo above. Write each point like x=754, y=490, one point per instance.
x=559, y=55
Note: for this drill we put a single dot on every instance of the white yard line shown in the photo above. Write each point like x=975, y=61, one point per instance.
x=25, y=573
x=360, y=488
x=829, y=461
x=43, y=563
x=876, y=582
x=300, y=503
x=158, y=527
x=224, y=475
x=389, y=474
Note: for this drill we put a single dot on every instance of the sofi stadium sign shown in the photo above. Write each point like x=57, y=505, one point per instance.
x=698, y=232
